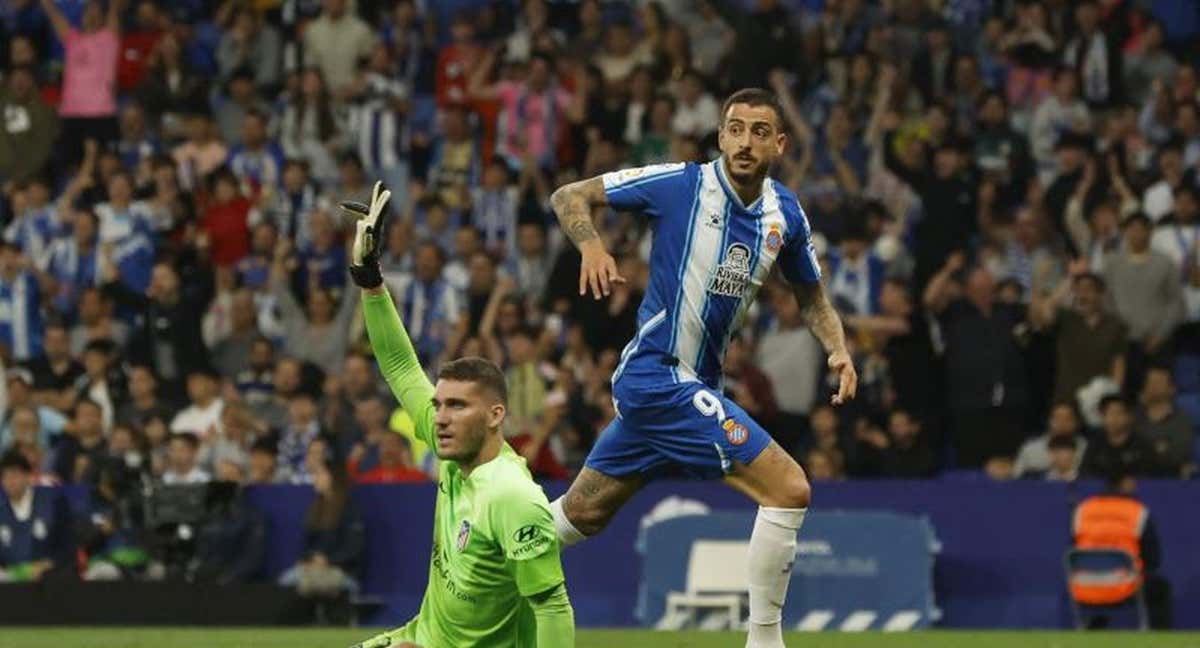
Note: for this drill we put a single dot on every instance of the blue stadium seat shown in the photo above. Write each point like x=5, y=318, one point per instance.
x=1190, y=404
x=1187, y=374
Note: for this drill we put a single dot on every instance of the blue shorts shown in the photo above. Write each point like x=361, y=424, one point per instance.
x=664, y=428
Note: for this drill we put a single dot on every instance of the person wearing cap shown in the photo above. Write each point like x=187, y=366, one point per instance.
x=35, y=525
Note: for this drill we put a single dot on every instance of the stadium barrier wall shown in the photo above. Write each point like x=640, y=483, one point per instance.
x=1000, y=564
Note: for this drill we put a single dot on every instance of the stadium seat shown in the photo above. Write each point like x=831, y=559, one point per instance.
x=1187, y=374
x=1189, y=404
x=1107, y=567
x=716, y=579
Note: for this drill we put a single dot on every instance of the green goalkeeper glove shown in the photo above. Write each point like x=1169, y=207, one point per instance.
x=368, y=237
x=383, y=641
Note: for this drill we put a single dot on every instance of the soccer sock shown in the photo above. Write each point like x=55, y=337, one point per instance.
x=567, y=533
x=772, y=551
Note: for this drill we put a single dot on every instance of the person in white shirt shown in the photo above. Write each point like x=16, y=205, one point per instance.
x=1178, y=236
x=203, y=416
x=697, y=113
x=182, y=466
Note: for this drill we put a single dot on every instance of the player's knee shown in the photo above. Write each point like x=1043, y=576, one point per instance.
x=794, y=493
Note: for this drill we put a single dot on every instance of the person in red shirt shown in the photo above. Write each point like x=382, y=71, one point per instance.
x=395, y=464
x=455, y=62
x=226, y=220
x=137, y=45
x=452, y=78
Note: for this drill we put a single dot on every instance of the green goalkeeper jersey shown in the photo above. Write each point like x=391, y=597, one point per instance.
x=494, y=542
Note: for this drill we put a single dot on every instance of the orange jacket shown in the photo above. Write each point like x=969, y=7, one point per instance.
x=1109, y=522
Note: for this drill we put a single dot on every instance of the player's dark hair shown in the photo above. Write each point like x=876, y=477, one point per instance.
x=476, y=370
x=754, y=97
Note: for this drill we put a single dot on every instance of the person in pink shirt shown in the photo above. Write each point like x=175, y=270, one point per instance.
x=535, y=111
x=89, y=89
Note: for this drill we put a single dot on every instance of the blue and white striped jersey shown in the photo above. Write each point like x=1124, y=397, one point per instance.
x=710, y=255
x=21, y=316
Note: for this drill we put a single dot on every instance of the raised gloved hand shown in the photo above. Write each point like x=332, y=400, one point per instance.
x=368, y=237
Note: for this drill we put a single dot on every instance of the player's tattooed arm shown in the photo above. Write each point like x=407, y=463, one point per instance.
x=573, y=205
x=825, y=324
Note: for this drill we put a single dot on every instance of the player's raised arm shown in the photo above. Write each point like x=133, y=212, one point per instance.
x=573, y=204
x=390, y=342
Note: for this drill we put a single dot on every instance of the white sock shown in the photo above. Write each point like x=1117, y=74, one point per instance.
x=568, y=535
x=772, y=552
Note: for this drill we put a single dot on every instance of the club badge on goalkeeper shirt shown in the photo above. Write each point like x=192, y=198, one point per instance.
x=464, y=535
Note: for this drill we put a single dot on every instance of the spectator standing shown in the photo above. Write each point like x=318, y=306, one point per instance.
x=535, y=111
x=21, y=326
x=309, y=129
x=985, y=373
x=89, y=90
x=166, y=333
x=1146, y=293
x=251, y=44
x=336, y=42
x=1089, y=341
x=30, y=128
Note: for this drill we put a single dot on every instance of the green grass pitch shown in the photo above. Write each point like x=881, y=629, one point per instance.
x=341, y=638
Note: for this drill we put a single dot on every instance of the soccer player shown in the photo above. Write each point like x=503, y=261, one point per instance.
x=494, y=577
x=719, y=228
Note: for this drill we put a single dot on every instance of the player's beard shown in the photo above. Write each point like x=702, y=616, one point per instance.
x=753, y=177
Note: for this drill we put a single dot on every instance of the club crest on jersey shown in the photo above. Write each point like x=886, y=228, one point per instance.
x=464, y=535
x=732, y=276
x=735, y=432
x=774, y=240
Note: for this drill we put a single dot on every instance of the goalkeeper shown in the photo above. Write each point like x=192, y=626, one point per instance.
x=494, y=577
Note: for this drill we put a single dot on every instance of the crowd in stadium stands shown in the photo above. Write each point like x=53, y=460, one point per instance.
x=1003, y=194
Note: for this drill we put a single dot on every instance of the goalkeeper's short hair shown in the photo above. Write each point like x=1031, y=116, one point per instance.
x=481, y=371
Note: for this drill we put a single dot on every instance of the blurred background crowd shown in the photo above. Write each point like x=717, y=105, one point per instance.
x=1003, y=193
